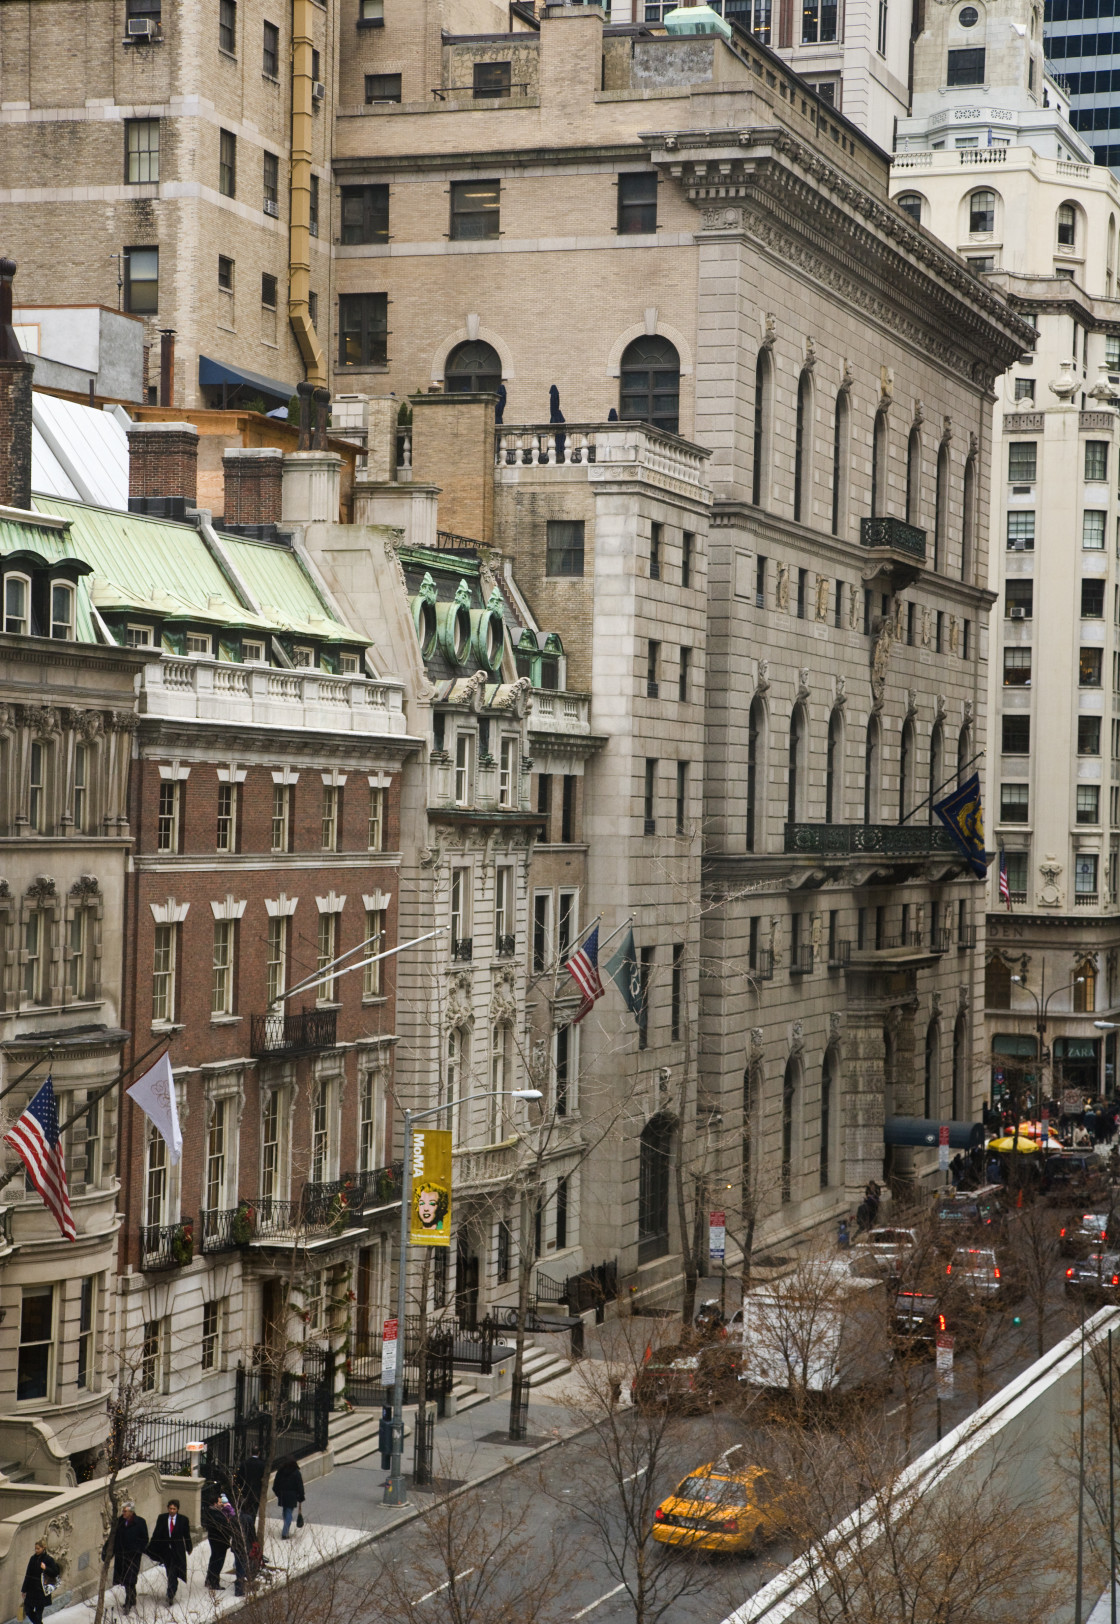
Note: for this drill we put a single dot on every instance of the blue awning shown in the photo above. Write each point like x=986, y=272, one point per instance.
x=211, y=372
x=920, y=1131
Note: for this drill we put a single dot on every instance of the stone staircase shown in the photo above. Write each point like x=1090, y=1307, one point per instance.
x=541, y=1365
x=12, y=1472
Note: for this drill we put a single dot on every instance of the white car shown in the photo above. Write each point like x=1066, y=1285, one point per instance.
x=882, y=1254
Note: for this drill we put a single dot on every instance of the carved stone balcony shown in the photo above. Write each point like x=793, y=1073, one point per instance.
x=196, y=688
x=488, y=1168
x=896, y=552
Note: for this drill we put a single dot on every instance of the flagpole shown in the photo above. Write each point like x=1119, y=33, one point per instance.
x=6, y=1091
x=940, y=787
x=329, y=974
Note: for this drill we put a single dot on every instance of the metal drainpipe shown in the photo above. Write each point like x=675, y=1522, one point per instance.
x=299, y=231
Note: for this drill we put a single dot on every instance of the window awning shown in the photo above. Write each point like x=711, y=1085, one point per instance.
x=211, y=372
x=1014, y=1043
x=922, y=1131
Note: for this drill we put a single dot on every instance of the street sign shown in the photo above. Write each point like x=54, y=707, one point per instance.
x=717, y=1236
x=943, y=1146
x=944, y=1365
x=1073, y=1102
x=389, y=1345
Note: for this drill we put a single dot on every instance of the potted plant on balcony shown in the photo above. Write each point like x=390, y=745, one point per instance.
x=244, y=1223
x=182, y=1243
x=340, y=1211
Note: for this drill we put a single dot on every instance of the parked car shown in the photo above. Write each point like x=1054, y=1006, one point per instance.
x=1082, y=1236
x=1073, y=1175
x=684, y=1379
x=1095, y=1278
x=725, y=1507
x=883, y=1254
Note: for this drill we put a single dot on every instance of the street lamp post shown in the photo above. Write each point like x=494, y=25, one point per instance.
x=1040, y=1011
x=395, y=1494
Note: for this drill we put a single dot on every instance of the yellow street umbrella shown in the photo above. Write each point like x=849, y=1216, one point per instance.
x=1026, y=1147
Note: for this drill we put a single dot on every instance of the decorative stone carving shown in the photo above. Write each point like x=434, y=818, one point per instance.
x=803, y=689
x=880, y=659
x=851, y=609
x=817, y=930
x=41, y=889
x=919, y=415
x=835, y=1026
x=946, y=429
x=43, y=720
x=964, y=1000
x=85, y=886
x=762, y=680
x=5, y=889
x=756, y=1045
x=966, y=712
x=429, y=857
x=1050, y=895
x=783, y=586
x=90, y=725
x=927, y=625
x=722, y=219
x=1067, y=383
x=940, y=706
x=125, y=721
x=935, y=1005
x=911, y=704
x=458, y=1010
x=503, y=1001
x=954, y=635
x=973, y=444
x=796, y=1040
x=822, y=597
x=810, y=355
x=847, y=378
x=840, y=697
x=770, y=330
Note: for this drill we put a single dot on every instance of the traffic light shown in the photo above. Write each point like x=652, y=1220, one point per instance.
x=385, y=1436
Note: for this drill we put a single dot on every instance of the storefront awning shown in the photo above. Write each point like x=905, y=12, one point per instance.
x=212, y=373
x=923, y=1131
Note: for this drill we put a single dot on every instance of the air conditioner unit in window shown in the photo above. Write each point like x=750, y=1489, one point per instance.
x=1018, y=545
x=319, y=90
x=272, y=207
x=1018, y=613
x=141, y=28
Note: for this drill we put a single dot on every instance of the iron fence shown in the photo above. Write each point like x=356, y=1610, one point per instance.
x=279, y=1032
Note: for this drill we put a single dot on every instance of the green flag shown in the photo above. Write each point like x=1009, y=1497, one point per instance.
x=622, y=967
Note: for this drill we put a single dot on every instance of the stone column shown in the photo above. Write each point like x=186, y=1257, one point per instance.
x=865, y=1087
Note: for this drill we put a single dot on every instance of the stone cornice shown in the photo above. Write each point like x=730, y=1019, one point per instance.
x=198, y=740
x=554, y=157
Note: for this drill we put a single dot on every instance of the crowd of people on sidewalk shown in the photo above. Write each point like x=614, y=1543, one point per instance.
x=230, y=1517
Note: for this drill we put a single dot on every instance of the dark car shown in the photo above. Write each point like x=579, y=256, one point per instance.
x=684, y=1379
x=1073, y=1176
x=920, y=1318
x=1084, y=1235
x=962, y=1215
x=1095, y=1278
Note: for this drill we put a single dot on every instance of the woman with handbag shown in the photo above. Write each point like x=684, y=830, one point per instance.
x=39, y=1583
x=287, y=1486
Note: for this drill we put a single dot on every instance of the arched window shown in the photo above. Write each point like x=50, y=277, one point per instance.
x=933, y=1071
x=1067, y=226
x=1085, y=987
x=968, y=519
x=798, y=774
x=840, y=438
x=964, y=752
x=650, y=389
x=961, y=1109
x=905, y=768
x=914, y=475
x=789, y=1101
x=911, y=203
x=803, y=452
x=879, y=466
x=473, y=368
x=17, y=605
x=654, y=1153
x=941, y=507
x=982, y=213
x=936, y=765
x=760, y=476
x=834, y=771
x=756, y=775
x=828, y=1108
x=871, y=772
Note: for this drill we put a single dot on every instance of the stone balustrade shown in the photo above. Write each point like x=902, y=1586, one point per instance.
x=195, y=688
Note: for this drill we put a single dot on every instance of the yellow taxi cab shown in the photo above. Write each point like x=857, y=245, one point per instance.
x=724, y=1507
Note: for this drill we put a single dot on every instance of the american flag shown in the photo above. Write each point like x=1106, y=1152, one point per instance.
x=1004, y=883
x=583, y=966
x=36, y=1138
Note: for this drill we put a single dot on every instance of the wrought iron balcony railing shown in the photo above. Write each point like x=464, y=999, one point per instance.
x=279, y=1032
x=894, y=535
x=462, y=947
x=801, y=961
x=505, y=946
x=868, y=839
x=166, y=1246
x=763, y=967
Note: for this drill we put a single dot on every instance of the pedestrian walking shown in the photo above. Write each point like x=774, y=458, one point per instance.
x=218, y=1519
x=287, y=1486
x=171, y=1545
x=249, y=1483
x=39, y=1581
x=127, y=1544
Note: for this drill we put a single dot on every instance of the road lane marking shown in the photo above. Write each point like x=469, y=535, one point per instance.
x=438, y=1591
x=591, y=1608
x=641, y=1472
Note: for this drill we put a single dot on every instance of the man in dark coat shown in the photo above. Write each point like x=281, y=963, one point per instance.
x=128, y=1542
x=42, y=1570
x=250, y=1483
x=171, y=1545
x=219, y=1521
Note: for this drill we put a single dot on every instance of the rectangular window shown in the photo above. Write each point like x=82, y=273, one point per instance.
x=1088, y=803
x=227, y=163
x=365, y=214
x=92, y=1146
x=211, y=1336
x=1088, y=735
x=542, y=930
x=475, y=210
x=328, y=819
x=676, y=992
x=313, y=207
x=17, y=605
x=221, y=987
x=1014, y=803
x=35, y=1363
x=645, y=976
x=270, y=1145
x=375, y=943
x=965, y=66
x=760, y=583
x=271, y=182
x=567, y=923
x=838, y=605
x=155, y=1183
x=752, y=942
x=881, y=30
x=141, y=281
x=564, y=547
x=36, y=799
x=141, y=150
x=227, y=25
x=460, y=907
x=326, y=952
x=687, y=545
x=683, y=674
x=966, y=638
x=270, y=58
x=491, y=79
x=939, y=632
x=281, y=820
x=268, y=300
x=1089, y=668
x=464, y=752
x=802, y=585
x=363, y=329
x=1085, y=874
x=682, y=798
x=143, y=8
x=544, y=805
x=370, y=1123
x=1096, y=461
x=1024, y=389
x=503, y=909
x=216, y=1149
x=1017, y=874
x=653, y=656
x=1092, y=599
x=562, y=1051
x=34, y=932
x=225, y=282
x=1016, y=668
x=1018, y=600
x=637, y=204
x=1092, y=530
x=1022, y=462
x=77, y=968
x=163, y=973
x=656, y=533
x=649, y=796
x=86, y=1308
x=507, y=773
x=375, y=833
x=1016, y=736
x=1020, y=532
x=152, y=1356
x=504, y=1251
x=382, y=87
x=225, y=838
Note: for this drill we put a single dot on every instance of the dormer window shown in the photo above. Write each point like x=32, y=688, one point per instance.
x=198, y=643
x=348, y=665
x=62, y=612
x=303, y=657
x=17, y=605
x=252, y=653
x=138, y=636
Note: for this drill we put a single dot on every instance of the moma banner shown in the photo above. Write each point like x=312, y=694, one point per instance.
x=431, y=1187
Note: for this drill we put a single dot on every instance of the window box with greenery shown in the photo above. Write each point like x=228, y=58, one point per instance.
x=244, y=1225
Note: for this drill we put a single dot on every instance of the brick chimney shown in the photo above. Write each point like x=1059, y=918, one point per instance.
x=16, y=374
x=254, y=481
x=162, y=469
